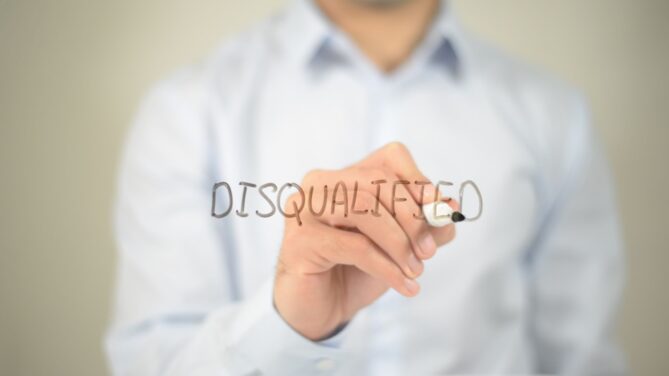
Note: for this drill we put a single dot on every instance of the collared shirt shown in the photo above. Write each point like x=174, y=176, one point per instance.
x=531, y=287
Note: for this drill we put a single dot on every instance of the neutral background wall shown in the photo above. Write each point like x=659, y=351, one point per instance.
x=72, y=72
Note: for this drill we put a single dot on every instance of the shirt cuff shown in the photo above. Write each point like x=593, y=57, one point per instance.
x=274, y=348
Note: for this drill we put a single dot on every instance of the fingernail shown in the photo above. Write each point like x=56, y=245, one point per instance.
x=411, y=286
x=415, y=265
x=427, y=244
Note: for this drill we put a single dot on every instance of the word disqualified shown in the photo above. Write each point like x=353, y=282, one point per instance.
x=340, y=196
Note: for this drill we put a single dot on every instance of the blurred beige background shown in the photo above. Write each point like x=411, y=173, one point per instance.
x=71, y=75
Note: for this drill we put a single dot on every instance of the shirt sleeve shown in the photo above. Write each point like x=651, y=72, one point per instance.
x=176, y=308
x=577, y=265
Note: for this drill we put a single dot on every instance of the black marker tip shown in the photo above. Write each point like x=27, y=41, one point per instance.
x=457, y=217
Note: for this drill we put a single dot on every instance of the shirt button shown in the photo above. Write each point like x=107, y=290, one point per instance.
x=325, y=364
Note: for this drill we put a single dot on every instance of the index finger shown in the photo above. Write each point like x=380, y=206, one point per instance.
x=396, y=157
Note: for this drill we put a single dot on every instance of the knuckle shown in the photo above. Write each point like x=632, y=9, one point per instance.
x=393, y=275
x=348, y=249
x=412, y=227
x=363, y=244
x=313, y=175
x=365, y=201
x=402, y=242
x=405, y=211
x=396, y=147
x=359, y=249
x=381, y=174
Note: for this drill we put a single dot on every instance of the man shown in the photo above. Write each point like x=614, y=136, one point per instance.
x=362, y=91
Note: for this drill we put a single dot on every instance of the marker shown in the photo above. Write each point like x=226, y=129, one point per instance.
x=440, y=214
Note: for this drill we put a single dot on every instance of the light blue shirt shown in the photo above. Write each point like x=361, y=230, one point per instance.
x=531, y=287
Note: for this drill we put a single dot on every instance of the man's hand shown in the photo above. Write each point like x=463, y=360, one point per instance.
x=334, y=264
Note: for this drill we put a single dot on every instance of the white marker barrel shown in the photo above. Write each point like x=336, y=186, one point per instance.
x=438, y=213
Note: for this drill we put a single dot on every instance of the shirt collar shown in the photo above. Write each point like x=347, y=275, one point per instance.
x=307, y=31
x=310, y=34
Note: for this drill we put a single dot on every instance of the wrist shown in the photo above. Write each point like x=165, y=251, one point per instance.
x=313, y=321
